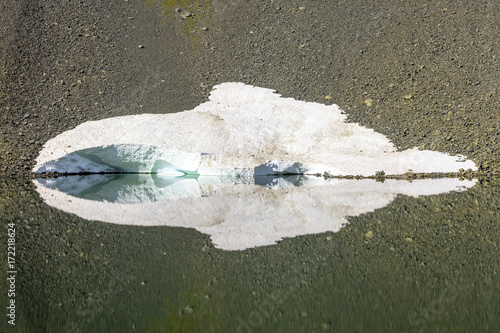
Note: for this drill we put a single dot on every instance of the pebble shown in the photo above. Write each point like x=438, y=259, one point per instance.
x=185, y=14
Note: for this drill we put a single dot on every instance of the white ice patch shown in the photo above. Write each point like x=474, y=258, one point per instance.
x=236, y=214
x=241, y=130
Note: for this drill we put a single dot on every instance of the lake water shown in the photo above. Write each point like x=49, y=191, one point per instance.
x=115, y=255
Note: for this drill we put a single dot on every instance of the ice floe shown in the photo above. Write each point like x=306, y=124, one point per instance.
x=242, y=130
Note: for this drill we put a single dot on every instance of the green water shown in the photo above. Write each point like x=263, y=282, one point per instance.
x=427, y=264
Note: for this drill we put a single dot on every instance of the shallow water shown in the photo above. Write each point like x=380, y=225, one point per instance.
x=415, y=264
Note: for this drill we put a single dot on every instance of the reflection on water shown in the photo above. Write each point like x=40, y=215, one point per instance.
x=421, y=264
x=126, y=188
x=237, y=213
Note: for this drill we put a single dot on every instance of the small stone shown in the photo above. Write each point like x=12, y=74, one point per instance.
x=302, y=8
x=187, y=309
x=369, y=102
x=204, y=29
x=185, y=14
x=328, y=97
x=408, y=97
x=369, y=234
x=409, y=239
x=140, y=46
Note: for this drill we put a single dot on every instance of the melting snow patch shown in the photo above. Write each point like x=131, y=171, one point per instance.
x=242, y=130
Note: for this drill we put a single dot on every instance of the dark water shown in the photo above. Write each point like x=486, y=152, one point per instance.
x=425, y=264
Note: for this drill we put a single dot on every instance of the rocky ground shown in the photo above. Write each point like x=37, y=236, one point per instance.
x=423, y=73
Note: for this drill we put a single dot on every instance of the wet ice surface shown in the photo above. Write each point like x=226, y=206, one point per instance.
x=241, y=131
x=238, y=213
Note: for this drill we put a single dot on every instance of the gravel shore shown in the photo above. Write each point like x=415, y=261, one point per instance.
x=424, y=74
